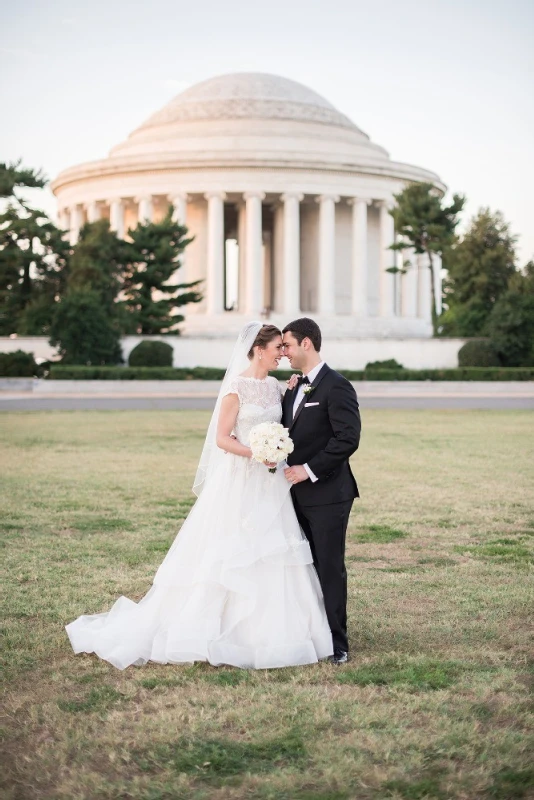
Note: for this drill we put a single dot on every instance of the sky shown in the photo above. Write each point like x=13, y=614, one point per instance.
x=447, y=86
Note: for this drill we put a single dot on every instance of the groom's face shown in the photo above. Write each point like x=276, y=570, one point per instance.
x=293, y=351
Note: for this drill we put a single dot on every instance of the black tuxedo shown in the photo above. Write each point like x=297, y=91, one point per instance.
x=326, y=432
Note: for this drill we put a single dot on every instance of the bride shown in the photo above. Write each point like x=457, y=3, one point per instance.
x=238, y=585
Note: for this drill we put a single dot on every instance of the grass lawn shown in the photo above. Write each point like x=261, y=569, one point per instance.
x=433, y=704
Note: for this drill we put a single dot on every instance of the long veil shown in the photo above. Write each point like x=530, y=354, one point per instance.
x=212, y=455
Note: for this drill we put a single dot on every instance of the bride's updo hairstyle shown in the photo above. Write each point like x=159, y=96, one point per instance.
x=265, y=335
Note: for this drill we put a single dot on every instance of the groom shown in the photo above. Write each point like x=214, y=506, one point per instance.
x=322, y=415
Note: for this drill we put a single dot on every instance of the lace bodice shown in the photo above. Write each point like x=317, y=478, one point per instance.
x=260, y=400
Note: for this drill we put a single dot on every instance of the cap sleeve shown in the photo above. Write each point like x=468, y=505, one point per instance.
x=234, y=387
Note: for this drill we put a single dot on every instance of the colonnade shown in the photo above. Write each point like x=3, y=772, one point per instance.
x=409, y=297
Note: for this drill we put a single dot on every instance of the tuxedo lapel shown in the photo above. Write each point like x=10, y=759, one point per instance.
x=287, y=407
x=315, y=383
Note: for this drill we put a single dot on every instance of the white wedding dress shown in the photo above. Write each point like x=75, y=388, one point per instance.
x=238, y=585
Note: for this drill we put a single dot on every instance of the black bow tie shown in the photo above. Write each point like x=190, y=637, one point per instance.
x=303, y=379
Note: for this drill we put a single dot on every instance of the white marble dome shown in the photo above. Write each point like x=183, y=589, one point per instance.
x=286, y=197
x=249, y=95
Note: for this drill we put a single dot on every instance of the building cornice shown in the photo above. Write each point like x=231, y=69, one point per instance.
x=121, y=167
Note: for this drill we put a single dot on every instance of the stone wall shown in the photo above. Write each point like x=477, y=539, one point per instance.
x=340, y=353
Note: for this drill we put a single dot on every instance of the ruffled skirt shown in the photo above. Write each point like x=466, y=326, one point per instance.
x=237, y=586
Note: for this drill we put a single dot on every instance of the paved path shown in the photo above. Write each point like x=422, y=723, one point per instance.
x=27, y=394
x=29, y=402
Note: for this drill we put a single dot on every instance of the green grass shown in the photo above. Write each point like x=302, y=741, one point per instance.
x=425, y=675
x=434, y=703
x=215, y=760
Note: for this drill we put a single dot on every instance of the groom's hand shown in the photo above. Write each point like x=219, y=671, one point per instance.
x=296, y=474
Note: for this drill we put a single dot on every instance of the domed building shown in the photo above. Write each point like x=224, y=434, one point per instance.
x=287, y=200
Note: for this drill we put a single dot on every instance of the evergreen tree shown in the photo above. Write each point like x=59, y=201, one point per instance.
x=423, y=223
x=479, y=270
x=151, y=297
x=511, y=321
x=33, y=258
x=83, y=331
x=13, y=176
x=87, y=324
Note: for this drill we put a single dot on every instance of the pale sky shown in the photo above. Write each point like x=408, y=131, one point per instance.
x=447, y=86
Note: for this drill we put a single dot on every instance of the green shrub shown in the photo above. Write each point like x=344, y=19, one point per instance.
x=511, y=327
x=478, y=353
x=18, y=365
x=151, y=354
x=457, y=374
x=75, y=373
x=68, y=372
x=388, y=364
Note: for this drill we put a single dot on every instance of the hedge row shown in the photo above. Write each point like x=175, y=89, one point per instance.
x=60, y=372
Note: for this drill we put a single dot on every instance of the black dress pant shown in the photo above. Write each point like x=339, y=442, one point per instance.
x=325, y=528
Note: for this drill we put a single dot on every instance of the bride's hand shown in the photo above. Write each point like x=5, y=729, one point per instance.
x=270, y=464
x=292, y=382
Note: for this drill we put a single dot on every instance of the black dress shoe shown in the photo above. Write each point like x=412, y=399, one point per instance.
x=339, y=657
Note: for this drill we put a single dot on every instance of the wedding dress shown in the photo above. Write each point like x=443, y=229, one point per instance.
x=238, y=585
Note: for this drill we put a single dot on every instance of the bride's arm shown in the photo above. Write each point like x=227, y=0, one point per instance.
x=225, y=426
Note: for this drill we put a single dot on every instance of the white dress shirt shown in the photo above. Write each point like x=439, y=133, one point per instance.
x=312, y=374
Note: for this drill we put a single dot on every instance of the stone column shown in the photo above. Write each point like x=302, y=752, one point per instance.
x=116, y=216
x=76, y=222
x=145, y=209
x=291, y=260
x=409, y=285
x=63, y=219
x=424, y=302
x=327, y=254
x=179, y=202
x=215, y=271
x=387, y=259
x=359, y=255
x=242, y=246
x=437, y=281
x=94, y=212
x=254, y=301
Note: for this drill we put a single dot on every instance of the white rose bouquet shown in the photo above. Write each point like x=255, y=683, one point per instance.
x=270, y=441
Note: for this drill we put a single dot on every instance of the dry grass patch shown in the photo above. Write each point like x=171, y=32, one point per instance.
x=435, y=702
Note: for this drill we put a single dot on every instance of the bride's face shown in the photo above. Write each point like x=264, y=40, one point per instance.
x=271, y=355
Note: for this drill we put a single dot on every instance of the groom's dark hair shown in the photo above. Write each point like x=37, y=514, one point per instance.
x=305, y=328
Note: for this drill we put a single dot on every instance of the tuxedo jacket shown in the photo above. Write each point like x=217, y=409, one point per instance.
x=326, y=432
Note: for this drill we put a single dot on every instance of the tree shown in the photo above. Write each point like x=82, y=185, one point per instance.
x=83, y=331
x=423, y=223
x=12, y=176
x=33, y=258
x=150, y=298
x=511, y=321
x=479, y=269
x=98, y=263
x=87, y=323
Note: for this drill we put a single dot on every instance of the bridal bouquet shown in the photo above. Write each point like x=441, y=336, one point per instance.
x=270, y=441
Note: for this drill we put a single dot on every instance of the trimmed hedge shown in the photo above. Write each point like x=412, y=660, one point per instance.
x=60, y=372
x=19, y=364
x=64, y=372
x=478, y=353
x=457, y=374
x=390, y=363
x=151, y=354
